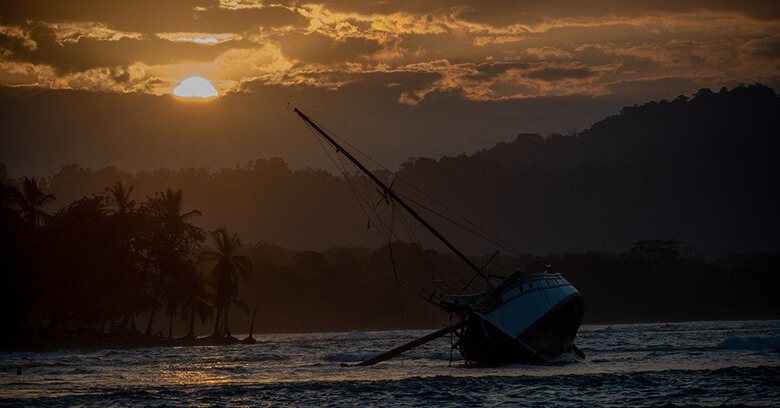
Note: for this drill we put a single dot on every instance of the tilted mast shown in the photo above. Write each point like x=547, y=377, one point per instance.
x=390, y=193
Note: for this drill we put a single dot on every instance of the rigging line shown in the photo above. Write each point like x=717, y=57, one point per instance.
x=477, y=227
x=385, y=230
x=360, y=200
x=478, y=233
x=456, y=223
x=363, y=200
x=352, y=147
x=424, y=262
x=495, y=240
x=395, y=271
x=366, y=207
x=418, y=259
x=390, y=233
x=428, y=268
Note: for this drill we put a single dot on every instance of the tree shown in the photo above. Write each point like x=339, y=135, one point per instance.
x=168, y=239
x=28, y=204
x=225, y=275
x=30, y=201
x=194, y=300
x=86, y=257
x=14, y=284
x=120, y=197
x=133, y=273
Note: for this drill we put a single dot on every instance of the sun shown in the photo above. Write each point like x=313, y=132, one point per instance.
x=195, y=87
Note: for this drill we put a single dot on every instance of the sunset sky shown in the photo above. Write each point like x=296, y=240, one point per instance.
x=90, y=82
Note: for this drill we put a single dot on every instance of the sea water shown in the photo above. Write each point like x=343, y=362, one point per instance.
x=675, y=364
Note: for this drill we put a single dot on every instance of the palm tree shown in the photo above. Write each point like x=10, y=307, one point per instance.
x=30, y=200
x=132, y=272
x=120, y=196
x=172, y=204
x=225, y=275
x=194, y=300
x=171, y=238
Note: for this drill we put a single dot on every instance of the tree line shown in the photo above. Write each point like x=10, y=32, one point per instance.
x=105, y=263
x=654, y=280
x=702, y=170
x=100, y=262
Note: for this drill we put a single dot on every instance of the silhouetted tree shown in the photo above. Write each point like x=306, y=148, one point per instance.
x=194, y=301
x=169, y=238
x=15, y=287
x=225, y=275
x=120, y=197
x=133, y=272
x=30, y=201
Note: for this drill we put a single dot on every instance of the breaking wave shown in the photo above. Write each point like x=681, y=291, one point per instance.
x=751, y=343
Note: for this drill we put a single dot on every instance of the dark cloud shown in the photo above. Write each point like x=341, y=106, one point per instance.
x=557, y=74
x=768, y=48
x=149, y=16
x=388, y=7
x=92, y=53
x=501, y=13
x=319, y=48
x=495, y=68
x=138, y=15
x=489, y=70
x=223, y=20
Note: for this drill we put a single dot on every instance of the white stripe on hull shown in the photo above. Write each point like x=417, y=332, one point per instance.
x=522, y=309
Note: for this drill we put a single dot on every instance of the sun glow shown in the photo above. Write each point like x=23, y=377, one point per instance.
x=195, y=87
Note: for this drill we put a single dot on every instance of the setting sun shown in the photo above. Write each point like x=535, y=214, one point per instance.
x=195, y=87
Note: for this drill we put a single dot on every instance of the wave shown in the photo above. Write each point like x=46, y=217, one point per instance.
x=670, y=388
x=356, y=335
x=347, y=357
x=750, y=343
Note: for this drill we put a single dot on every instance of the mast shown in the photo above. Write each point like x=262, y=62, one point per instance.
x=390, y=193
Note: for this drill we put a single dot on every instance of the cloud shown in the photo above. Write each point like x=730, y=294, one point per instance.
x=148, y=16
x=244, y=19
x=556, y=74
x=494, y=50
x=73, y=32
x=548, y=53
x=89, y=51
x=765, y=48
x=319, y=48
x=505, y=13
x=199, y=38
x=138, y=16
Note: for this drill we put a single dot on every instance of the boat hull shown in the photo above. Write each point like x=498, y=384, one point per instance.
x=547, y=339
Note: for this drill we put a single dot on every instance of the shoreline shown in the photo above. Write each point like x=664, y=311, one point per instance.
x=111, y=341
x=138, y=340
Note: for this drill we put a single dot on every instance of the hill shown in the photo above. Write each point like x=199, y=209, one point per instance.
x=702, y=171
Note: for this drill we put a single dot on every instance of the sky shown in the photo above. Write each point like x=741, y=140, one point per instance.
x=91, y=82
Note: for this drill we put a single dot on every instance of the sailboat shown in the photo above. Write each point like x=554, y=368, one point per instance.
x=528, y=317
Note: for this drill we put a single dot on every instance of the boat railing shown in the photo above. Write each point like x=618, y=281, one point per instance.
x=435, y=290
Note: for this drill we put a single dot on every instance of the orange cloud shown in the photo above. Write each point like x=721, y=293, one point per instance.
x=478, y=51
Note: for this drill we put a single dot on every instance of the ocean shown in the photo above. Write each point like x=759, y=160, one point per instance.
x=709, y=364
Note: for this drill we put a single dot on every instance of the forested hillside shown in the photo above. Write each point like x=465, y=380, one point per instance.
x=702, y=171
x=666, y=211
